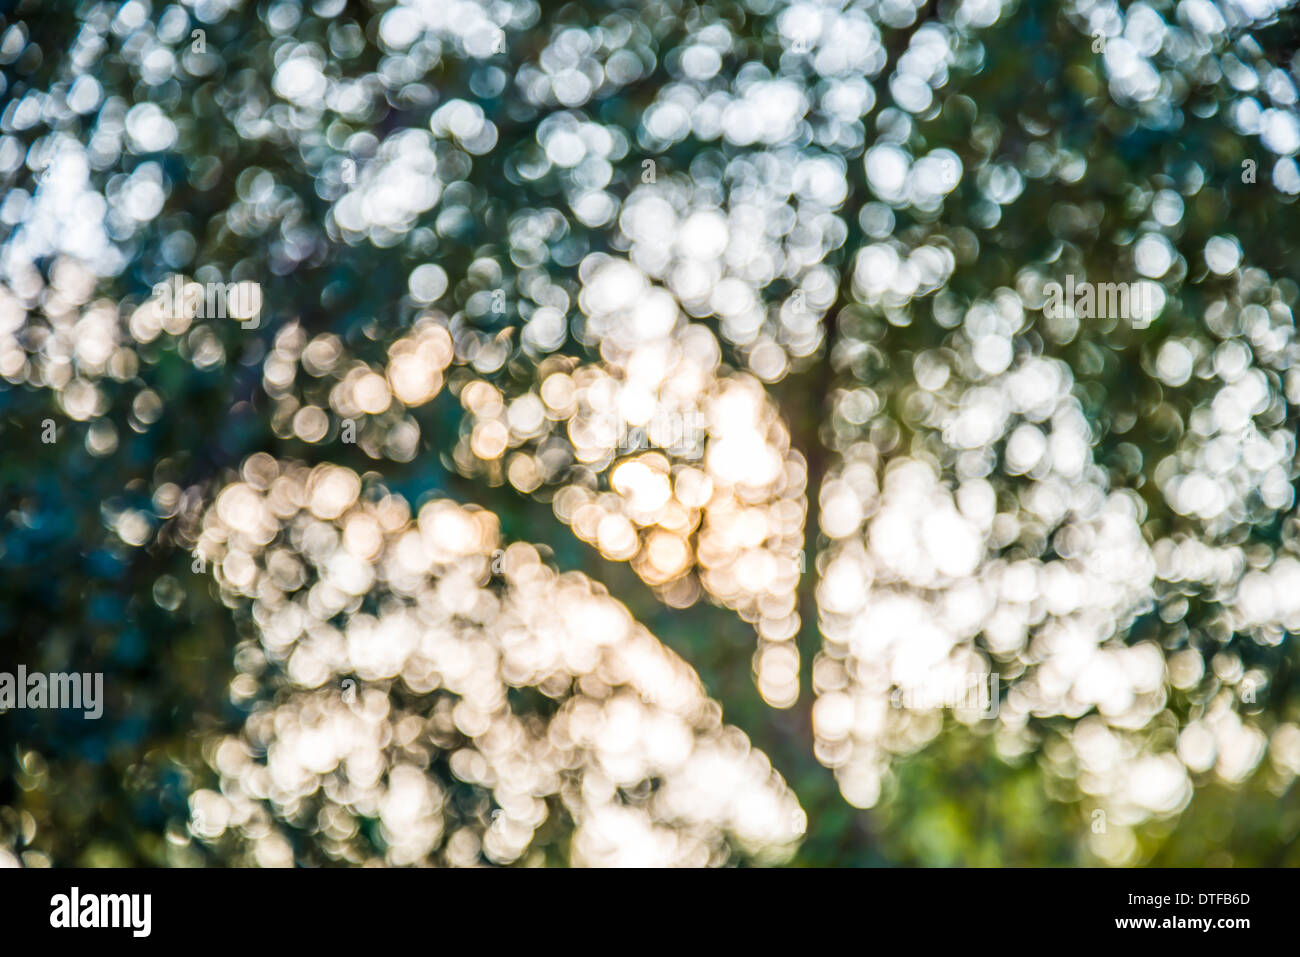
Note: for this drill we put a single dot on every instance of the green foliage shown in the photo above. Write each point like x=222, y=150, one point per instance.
x=873, y=298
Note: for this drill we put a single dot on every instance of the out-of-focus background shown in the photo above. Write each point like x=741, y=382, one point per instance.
x=508, y=432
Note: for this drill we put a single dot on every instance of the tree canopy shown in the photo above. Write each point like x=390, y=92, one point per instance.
x=515, y=432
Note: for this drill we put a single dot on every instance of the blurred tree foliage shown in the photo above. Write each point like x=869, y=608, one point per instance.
x=970, y=152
